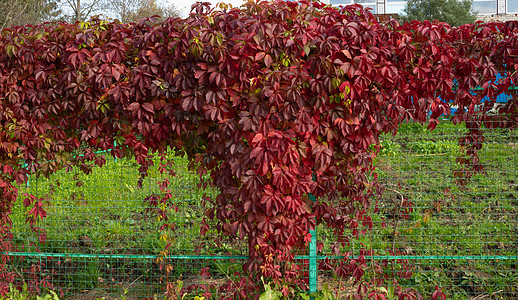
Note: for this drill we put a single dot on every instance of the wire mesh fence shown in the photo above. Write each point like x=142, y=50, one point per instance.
x=102, y=237
x=461, y=236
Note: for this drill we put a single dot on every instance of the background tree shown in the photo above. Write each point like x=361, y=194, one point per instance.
x=81, y=10
x=129, y=10
x=453, y=12
x=21, y=12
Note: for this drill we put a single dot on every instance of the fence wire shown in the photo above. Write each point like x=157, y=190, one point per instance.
x=463, y=238
x=102, y=239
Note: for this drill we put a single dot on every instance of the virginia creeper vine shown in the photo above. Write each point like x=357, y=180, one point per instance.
x=273, y=100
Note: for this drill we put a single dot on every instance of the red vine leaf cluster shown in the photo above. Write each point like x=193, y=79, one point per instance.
x=274, y=100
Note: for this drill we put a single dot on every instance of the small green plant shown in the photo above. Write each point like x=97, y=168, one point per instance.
x=324, y=294
x=435, y=147
x=390, y=148
x=15, y=294
x=269, y=292
x=274, y=294
x=51, y=296
x=123, y=296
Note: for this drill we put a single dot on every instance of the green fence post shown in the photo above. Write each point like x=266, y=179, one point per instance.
x=313, y=257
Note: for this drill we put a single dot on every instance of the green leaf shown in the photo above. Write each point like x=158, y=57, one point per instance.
x=306, y=49
x=270, y=294
x=304, y=296
x=347, y=90
x=84, y=25
x=10, y=50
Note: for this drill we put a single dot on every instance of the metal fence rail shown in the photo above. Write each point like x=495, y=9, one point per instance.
x=102, y=239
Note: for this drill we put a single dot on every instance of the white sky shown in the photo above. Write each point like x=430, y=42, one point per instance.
x=185, y=5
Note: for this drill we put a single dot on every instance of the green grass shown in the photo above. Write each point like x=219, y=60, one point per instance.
x=109, y=208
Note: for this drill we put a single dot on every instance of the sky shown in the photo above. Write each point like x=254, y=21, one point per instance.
x=185, y=5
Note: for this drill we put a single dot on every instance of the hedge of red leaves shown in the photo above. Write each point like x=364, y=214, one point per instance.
x=274, y=100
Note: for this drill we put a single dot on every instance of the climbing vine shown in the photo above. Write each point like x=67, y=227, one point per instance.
x=274, y=101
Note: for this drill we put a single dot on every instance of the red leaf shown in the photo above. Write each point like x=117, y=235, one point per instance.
x=133, y=106
x=352, y=121
x=204, y=228
x=38, y=211
x=347, y=54
x=8, y=170
x=257, y=138
x=116, y=74
x=148, y=107
x=42, y=238
x=259, y=56
x=268, y=60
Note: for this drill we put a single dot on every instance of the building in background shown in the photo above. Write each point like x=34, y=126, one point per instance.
x=502, y=10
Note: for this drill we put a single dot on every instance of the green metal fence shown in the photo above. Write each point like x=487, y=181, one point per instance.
x=102, y=240
x=463, y=238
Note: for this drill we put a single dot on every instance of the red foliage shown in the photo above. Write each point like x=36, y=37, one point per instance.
x=275, y=100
